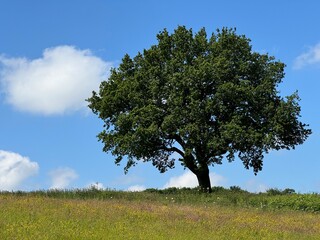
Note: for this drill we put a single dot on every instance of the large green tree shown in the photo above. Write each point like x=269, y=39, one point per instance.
x=202, y=98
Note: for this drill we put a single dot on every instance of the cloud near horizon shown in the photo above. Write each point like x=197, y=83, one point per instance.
x=57, y=83
x=61, y=178
x=311, y=57
x=14, y=169
x=96, y=185
x=188, y=179
x=136, y=188
x=254, y=186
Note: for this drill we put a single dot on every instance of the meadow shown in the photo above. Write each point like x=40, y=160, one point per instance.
x=159, y=214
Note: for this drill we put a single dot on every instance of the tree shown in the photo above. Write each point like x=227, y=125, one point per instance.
x=196, y=100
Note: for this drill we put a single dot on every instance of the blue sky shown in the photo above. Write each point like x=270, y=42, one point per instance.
x=54, y=53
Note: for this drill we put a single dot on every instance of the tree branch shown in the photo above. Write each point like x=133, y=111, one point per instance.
x=173, y=149
x=178, y=139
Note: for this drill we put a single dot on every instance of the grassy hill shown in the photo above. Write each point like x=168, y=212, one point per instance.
x=159, y=214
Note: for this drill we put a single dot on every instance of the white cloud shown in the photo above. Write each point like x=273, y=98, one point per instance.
x=188, y=179
x=312, y=56
x=136, y=188
x=56, y=83
x=62, y=177
x=14, y=169
x=96, y=185
x=255, y=186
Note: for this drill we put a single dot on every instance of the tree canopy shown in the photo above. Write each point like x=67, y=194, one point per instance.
x=202, y=98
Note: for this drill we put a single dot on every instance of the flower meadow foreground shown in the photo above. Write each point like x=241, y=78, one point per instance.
x=147, y=216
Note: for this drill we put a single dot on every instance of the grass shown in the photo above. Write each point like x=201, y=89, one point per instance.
x=157, y=214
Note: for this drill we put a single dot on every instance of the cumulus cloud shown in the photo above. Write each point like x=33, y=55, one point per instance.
x=136, y=188
x=312, y=56
x=188, y=179
x=62, y=177
x=57, y=83
x=14, y=169
x=96, y=185
x=255, y=186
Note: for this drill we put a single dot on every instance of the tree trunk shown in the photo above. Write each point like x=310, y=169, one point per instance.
x=204, y=179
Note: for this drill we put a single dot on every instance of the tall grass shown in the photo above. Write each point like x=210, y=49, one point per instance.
x=273, y=199
x=169, y=214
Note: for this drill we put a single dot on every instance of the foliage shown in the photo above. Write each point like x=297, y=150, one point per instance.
x=236, y=189
x=200, y=98
x=275, y=191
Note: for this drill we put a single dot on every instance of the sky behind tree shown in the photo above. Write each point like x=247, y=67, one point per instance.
x=54, y=53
